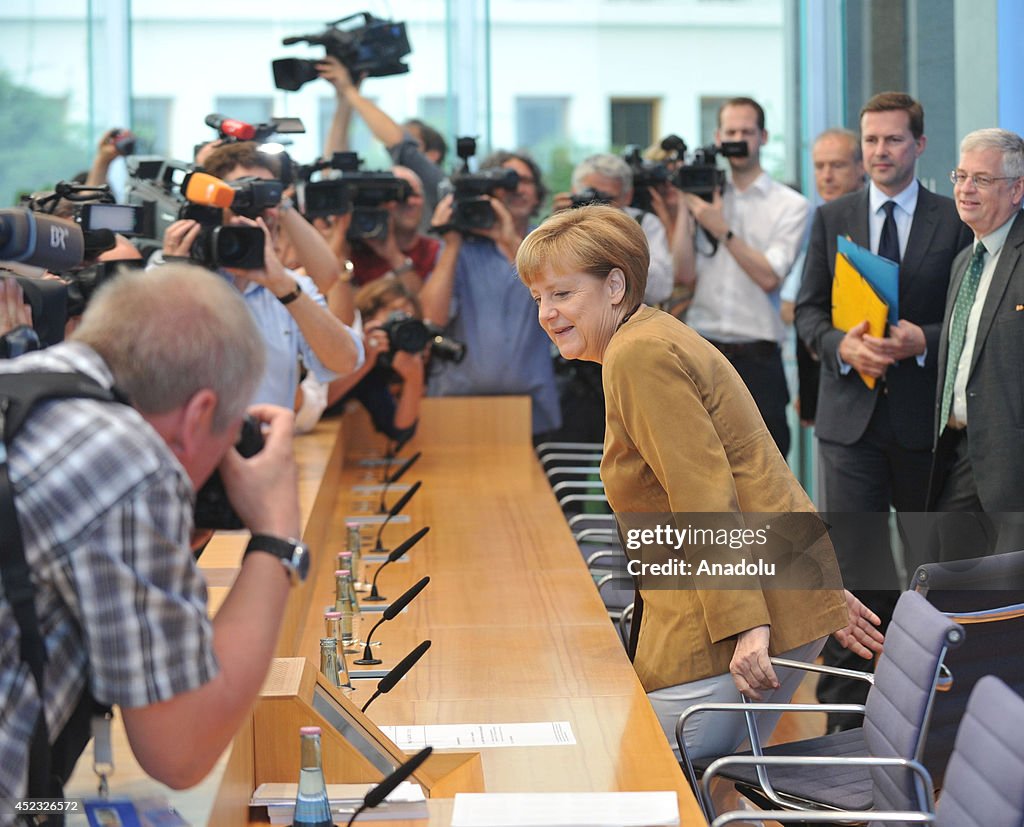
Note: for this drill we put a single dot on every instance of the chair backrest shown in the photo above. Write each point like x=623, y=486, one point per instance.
x=900, y=702
x=985, y=785
x=986, y=594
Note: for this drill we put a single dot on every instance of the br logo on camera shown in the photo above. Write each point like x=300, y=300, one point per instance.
x=58, y=237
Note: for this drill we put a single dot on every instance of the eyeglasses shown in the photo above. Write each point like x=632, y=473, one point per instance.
x=980, y=181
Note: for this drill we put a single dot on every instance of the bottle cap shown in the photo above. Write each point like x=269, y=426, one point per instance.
x=342, y=555
x=332, y=614
x=343, y=572
x=309, y=730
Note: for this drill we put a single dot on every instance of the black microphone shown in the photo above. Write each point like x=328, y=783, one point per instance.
x=389, y=613
x=40, y=240
x=388, y=682
x=398, y=506
x=392, y=478
x=387, y=786
x=374, y=596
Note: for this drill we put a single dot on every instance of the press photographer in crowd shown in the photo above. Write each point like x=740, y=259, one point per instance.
x=102, y=495
x=392, y=324
x=474, y=296
x=608, y=179
x=416, y=146
x=291, y=313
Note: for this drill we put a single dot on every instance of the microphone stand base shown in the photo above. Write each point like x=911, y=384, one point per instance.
x=367, y=662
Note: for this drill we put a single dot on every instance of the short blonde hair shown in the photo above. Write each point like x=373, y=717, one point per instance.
x=594, y=239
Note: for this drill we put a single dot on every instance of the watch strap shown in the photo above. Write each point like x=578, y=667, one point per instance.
x=288, y=298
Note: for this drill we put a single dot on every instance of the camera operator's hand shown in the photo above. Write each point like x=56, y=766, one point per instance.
x=443, y=217
x=376, y=342
x=709, y=216
x=13, y=310
x=263, y=489
x=503, y=231
x=409, y=366
x=272, y=275
x=387, y=248
x=665, y=205
x=106, y=151
x=180, y=236
x=561, y=201
x=334, y=72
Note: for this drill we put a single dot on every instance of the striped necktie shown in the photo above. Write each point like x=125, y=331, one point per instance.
x=958, y=328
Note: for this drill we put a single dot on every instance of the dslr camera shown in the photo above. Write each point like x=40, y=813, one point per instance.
x=412, y=335
x=374, y=50
x=702, y=176
x=471, y=210
x=213, y=508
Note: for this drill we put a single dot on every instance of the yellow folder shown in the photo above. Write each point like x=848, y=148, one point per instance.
x=854, y=300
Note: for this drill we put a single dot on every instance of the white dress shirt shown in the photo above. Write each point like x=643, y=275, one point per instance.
x=728, y=305
x=906, y=203
x=993, y=242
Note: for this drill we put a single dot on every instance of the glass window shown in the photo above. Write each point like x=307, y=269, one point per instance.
x=251, y=110
x=634, y=122
x=541, y=123
x=151, y=123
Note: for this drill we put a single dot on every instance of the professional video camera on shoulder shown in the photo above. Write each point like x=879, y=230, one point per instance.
x=362, y=193
x=471, y=207
x=702, y=176
x=31, y=239
x=645, y=174
x=218, y=245
x=374, y=50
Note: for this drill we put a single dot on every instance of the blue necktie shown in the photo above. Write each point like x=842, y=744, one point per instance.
x=889, y=242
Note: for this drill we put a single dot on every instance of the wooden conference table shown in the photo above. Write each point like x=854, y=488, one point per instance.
x=518, y=631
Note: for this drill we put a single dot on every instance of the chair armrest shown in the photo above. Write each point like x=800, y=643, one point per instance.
x=926, y=800
x=755, y=741
x=853, y=674
x=604, y=554
x=822, y=817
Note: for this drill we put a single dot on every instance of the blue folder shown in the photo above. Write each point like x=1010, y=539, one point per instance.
x=884, y=275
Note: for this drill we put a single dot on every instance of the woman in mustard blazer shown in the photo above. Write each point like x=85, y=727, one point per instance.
x=683, y=436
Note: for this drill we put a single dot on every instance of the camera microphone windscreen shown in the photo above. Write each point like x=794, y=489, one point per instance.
x=231, y=128
x=208, y=190
x=40, y=240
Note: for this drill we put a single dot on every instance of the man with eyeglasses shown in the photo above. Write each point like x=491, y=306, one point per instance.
x=875, y=443
x=979, y=403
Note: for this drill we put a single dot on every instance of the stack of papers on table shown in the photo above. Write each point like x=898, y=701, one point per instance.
x=623, y=809
x=405, y=803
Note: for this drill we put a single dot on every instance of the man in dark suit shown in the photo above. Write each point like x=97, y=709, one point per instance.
x=875, y=443
x=979, y=404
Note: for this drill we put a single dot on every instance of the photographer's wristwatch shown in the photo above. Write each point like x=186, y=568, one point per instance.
x=293, y=554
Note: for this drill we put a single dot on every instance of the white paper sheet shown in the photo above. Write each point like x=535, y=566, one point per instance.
x=477, y=736
x=621, y=809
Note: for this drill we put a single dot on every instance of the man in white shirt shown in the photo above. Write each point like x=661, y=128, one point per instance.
x=758, y=226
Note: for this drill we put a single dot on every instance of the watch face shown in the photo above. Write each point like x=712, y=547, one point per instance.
x=300, y=561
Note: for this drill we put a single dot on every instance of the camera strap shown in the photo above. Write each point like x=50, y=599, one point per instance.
x=19, y=393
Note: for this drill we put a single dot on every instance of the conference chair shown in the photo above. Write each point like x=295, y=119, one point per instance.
x=896, y=717
x=986, y=596
x=984, y=783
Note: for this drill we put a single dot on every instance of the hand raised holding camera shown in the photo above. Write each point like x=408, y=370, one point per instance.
x=263, y=488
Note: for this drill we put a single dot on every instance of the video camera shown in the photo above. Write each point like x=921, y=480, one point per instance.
x=361, y=193
x=58, y=245
x=645, y=174
x=375, y=49
x=471, y=209
x=702, y=176
x=219, y=246
x=413, y=336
